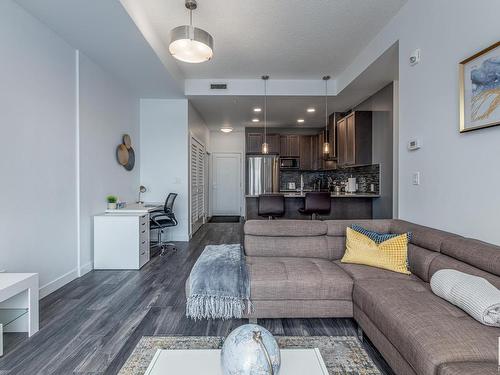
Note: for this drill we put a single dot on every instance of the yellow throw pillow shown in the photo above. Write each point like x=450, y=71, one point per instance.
x=390, y=255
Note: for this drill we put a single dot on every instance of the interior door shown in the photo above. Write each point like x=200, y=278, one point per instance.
x=226, y=184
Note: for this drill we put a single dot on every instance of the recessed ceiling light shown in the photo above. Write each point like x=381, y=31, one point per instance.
x=226, y=129
x=257, y=109
x=300, y=120
x=311, y=110
x=255, y=120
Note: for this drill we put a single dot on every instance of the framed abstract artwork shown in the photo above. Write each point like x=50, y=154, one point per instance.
x=480, y=90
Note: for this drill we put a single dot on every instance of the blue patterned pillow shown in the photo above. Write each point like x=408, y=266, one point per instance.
x=376, y=237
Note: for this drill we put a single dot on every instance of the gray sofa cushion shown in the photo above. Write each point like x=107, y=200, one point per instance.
x=337, y=228
x=477, y=253
x=469, y=368
x=285, y=228
x=425, y=237
x=360, y=272
x=311, y=247
x=424, y=328
x=297, y=279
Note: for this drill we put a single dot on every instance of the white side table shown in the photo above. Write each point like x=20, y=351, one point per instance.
x=18, y=304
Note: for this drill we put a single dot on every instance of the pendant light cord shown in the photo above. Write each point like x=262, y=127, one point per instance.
x=265, y=110
x=326, y=110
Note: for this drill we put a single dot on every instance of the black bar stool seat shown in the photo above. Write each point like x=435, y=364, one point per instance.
x=271, y=205
x=316, y=203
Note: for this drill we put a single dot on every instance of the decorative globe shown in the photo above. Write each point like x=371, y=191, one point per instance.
x=250, y=350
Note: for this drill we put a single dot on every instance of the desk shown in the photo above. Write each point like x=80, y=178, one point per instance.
x=121, y=237
x=18, y=304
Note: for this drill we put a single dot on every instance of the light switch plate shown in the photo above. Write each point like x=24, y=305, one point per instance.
x=416, y=178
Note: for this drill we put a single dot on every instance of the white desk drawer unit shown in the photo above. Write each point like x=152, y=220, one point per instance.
x=121, y=241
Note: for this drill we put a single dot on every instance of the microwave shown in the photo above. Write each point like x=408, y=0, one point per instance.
x=289, y=163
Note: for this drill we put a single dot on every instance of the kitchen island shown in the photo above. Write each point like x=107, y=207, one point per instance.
x=344, y=206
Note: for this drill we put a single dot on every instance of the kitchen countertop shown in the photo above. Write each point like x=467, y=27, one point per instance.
x=289, y=194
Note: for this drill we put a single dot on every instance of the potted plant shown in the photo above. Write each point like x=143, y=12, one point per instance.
x=112, y=199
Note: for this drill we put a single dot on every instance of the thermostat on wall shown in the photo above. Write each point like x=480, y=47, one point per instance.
x=414, y=144
x=415, y=57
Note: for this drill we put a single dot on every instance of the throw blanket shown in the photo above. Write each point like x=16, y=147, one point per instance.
x=219, y=287
x=473, y=294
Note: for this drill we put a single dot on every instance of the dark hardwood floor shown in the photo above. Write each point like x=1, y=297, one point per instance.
x=91, y=325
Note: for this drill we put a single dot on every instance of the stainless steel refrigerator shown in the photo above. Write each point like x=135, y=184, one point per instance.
x=263, y=174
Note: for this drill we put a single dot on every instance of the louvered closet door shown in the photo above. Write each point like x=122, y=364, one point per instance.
x=197, y=185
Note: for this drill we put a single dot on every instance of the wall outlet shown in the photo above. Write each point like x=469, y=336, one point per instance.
x=415, y=178
x=414, y=144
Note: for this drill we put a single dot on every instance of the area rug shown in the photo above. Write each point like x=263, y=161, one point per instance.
x=225, y=219
x=341, y=354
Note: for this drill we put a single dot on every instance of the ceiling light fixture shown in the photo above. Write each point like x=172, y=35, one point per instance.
x=311, y=110
x=326, y=145
x=226, y=129
x=257, y=109
x=265, y=146
x=191, y=44
x=300, y=120
x=255, y=120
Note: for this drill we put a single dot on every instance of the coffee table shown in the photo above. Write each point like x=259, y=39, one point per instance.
x=207, y=362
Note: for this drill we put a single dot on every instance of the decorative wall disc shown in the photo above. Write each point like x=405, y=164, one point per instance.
x=122, y=154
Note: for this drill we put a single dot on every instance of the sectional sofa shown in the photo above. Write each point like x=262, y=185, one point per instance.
x=295, y=272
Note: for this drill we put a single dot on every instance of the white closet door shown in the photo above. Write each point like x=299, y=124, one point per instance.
x=197, y=185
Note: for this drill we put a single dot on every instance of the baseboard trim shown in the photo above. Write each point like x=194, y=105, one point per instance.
x=86, y=268
x=52, y=286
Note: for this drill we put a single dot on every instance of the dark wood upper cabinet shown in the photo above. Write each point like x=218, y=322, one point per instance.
x=305, y=153
x=354, y=139
x=290, y=145
x=294, y=145
x=332, y=136
x=273, y=140
x=254, y=143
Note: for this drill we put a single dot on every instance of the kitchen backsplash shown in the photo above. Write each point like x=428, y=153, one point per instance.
x=366, y=175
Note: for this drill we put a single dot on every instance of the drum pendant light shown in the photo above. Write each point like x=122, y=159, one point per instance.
x=191, y=44
x=265, y=146
x=326, y=145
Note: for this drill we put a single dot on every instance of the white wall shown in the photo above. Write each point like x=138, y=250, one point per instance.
x=459, y=172
x=233, y=142
x=39, y=119
x=381, y=104
x=38, y=179
x=107, y=111
x=164, y=157
x=197, y=126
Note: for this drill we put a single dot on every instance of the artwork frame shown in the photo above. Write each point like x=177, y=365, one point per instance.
x=479, y=94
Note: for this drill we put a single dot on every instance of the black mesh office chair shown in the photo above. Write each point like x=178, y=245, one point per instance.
x=162, y=219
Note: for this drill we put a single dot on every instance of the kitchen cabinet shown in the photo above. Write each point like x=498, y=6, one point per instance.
x=354, y=139
x=305, y=154
x=290, y=145
x=254, y=143
x=273, y=140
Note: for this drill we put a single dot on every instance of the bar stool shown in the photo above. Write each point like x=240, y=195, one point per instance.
x=316, y=203
x=271, y=205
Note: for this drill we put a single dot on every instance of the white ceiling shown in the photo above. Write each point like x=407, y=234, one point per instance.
x=298, y=40
x=104, y=31
x=283, y=111
x=288, y=39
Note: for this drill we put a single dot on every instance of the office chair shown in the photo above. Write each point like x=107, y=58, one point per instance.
x=162, y=219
